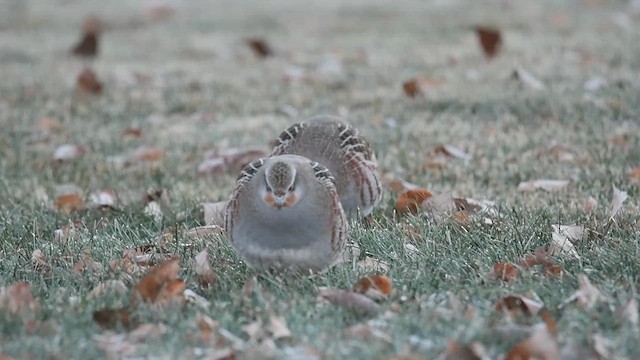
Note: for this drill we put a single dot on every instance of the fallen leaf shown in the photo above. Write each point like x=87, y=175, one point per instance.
x=214, y=213
x=457, y=351
x=528, y=79
x=69, y=152
x=39, y=261
x=541, y=344
x=601, y=346
x=87, y=46
x=367, y=332
x=254, y=329
x=352, y=301
x=543, y=184
x=505, y=271
x=161, y=283
x=69, y=203
x=191, y=297
x=146, y=154
x=617, y=200
x=88, y=83
x=376, y=287
x=154, y=210
x=587, y=296
x=278, y=328
x=116, y=287
x=206, y=324
x=634, y=175
x=409, y=200
x=412, y=88
x=561, y=246
x=215, y=166
x=451, y=151
x=202, y=267
x=105, y=199
x=490, y=40
x=590, y=204
x=206, y=233
x=439, y=207
x=113, y=318
x=17, y=299
x=398, y=184
x=259, y=47
x=132, y=132
x=87, y=263
x=518, y=305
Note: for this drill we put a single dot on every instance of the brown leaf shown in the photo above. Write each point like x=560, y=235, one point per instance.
x=17, y=299
x=412, y=88
x=634, y=175
x=259, y=47
x=87, y=46
x=409, y=200
x=457, y=351
x=111, y=319
x=69, y=203
x=132, y=132
x=352, y=301
x=88, y=82
x=543, y=184
x=505, y=271
x=146, y=154
x=161, y=284
x=202, y=267
x=540, y=345
x=375, y=287
x=87, y=263
x=206, y=324
x=39, y=261
x=451, y=151
x=398, y=184
x=490, y=40
x=69, y=152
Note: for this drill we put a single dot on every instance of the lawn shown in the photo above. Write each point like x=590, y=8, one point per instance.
x=180, y=85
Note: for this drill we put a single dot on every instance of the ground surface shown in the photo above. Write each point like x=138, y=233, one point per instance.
x=192, y=86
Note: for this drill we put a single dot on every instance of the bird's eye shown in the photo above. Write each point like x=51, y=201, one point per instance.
x=292, y=187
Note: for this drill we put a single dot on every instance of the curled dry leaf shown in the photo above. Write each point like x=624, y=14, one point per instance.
x=352, y=301
x=527, y=79
x=561, y=245
x=543, y=184
x=17, y=299
x=105, y=199
x=490, y=40
x=409, y=200
x=202, y=267
x=505, y=271
x=376, y=287
x=88, y=83
x=113, y=318
x=161, y=284
x=587, y=296
x=69, y=152
x=457, y=351
x=619, y=197
x=214, y=213
x=278, y=327
x=451, y=151
x=69, y=203
x=518, y=305
x=412, y=88
x=260, y=47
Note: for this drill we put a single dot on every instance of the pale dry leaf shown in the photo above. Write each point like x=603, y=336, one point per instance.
x=206, y=233
x=146, y=332
x=214, y=213
x=69, y=152
x=203, y=270
x=527, y=79
x=560, y=245
x=601, y=346
x=214, y=166
x=587, y=296
x=104, y=199
x=543, y=184
x=39, y=261
x=191, y=297
x=398, y=184
x=206, y=324
x=349, y=300
x=368, y=332
x=439, y=207
x=278, y=327
x=114, y=345
x=254, y=329
x=452, y=151
x=572, y=232
x=618, y=199
x=112, y=287
x=590, y=204
x=154, y=210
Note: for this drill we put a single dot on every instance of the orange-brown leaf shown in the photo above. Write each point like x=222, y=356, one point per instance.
x=259, y=47
x=634, y=174
x=408, y=201
x=88, y=82
x=112, y=318
x=160, y=281
x=518, y=305
x=412, y=88
x=69, y=203
x=377, y=283
x=505, y=271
